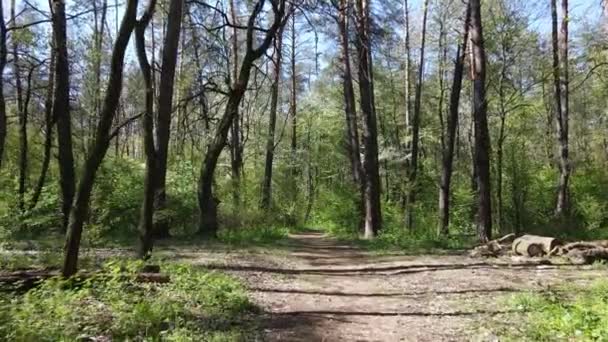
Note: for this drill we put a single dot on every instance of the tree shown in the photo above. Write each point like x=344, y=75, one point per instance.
x=21, y=111
x=49, y=123
x=480, y=115
x=561, y=81
x=61, y=110
x=373, y=214
x=415, y=129
x=447, y=156
x=3, y=53
x=208, y=223
x=236, y=134
x=101, y=143
x=146, y=218
x=272, y=119
x=350, y=105
x=165, y=103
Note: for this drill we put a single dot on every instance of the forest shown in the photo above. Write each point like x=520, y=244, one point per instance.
x=303, y=170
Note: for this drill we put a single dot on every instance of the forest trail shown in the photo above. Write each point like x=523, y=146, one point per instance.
x=324, y=290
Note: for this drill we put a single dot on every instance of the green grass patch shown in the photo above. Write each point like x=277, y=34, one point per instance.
x=565, y=314
x=197, y=305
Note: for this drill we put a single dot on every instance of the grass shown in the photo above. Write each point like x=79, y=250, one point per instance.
x=568, y=313
x=197, y=305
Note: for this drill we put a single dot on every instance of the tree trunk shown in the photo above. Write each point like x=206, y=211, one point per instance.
x=208, y=223
x=23, y=143
x=350, y=109
x=482, y=137
x=61, y=111
x=146, y=217
x=165, y=103
x=98, y=36
x=272, y=119
x=407, y=71
x=236, y=156
x=293, y=113
x=3, y=53
x=452, y=124
x=100, y=146
x=373, y=214
x=415, y=128
x=49, y=122
x=562, y=92
x=21, y=113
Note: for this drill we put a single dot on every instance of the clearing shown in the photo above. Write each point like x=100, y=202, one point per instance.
x=315, y=288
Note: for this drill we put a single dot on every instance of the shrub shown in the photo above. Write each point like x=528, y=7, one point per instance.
x=572, y=313
x=196, y=304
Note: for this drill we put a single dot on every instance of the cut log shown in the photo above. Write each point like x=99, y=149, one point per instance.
x=535, y=246
x=588, y=256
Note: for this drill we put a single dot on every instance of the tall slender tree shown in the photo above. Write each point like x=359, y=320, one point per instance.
x=146, y=217
x=561, y=75
x=61, y=110
x=3, y=59
x=236, y=139
x=373, y=213
x=49, y=123
x=412, y=172
x=480, y=118
x=350, y=105
x=272, y=120
x=99, y=148
x=165, y=108
x=452, y=123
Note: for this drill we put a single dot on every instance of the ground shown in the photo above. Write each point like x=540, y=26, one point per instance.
x=314, y=288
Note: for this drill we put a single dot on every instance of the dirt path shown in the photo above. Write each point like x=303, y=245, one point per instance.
x=322, y=290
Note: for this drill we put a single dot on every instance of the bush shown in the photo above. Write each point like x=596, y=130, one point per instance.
x=195, y=305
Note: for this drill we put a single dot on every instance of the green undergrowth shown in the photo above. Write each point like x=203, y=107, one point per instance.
x=416, y=243
x=568, y=313
x=196, y=305
x=253, y=236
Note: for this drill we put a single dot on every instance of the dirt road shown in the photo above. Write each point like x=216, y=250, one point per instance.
x=322, y=290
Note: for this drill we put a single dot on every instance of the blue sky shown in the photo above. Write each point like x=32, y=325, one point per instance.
x=581, y=10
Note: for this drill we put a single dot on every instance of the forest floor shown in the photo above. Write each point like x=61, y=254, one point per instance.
x=314, y=288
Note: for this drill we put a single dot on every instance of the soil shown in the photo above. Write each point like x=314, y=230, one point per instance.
x=316, y=288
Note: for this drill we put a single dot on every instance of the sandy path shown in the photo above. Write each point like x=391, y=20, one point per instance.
x=322, y=290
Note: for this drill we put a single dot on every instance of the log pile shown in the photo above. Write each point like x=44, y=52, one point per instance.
x=534, y=246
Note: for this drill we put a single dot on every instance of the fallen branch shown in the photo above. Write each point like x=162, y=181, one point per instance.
x=22, y=281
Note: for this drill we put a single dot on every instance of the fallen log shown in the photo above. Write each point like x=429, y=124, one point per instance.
x=22, y=281
x=534, y=246
x=587, y=256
